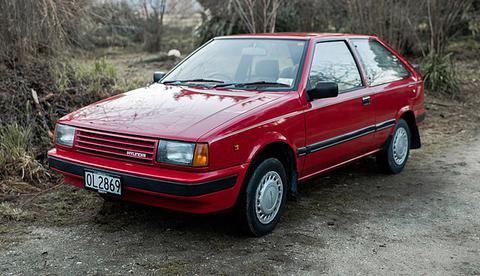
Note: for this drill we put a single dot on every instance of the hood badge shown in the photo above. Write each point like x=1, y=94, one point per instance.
x=136, y=154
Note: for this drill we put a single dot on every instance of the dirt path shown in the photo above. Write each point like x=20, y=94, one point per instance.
x=425, y=220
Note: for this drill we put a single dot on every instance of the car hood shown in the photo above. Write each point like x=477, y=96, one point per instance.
x=166, y=111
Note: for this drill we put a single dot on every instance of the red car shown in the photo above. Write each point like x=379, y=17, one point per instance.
x=242, y=120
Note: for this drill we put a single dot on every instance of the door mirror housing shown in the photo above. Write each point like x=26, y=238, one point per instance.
x=157, y=76
x=323, y=90
x=416, y=67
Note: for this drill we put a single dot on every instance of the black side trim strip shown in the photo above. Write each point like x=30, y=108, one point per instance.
x=302, y=151
x=384, y=125
x=340, y=139
x=344, y=138
x=420, y=118
x=150, y=184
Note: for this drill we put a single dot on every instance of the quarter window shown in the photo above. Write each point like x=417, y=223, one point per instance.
x=333, y=62
x=380, y=64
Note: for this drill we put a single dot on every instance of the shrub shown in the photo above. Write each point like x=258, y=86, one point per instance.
x=31, y=28
x=115, y=23
x=439, y=74
x=17, y=163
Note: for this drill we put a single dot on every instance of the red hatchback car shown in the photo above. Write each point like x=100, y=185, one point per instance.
x=242, y=120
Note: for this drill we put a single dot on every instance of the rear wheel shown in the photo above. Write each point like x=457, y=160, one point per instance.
x=395, y=154
x=262, y=201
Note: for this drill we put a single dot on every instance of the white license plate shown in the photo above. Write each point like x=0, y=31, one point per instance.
x=103, y=183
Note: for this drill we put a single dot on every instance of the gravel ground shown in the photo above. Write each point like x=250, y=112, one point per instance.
x=355, y=220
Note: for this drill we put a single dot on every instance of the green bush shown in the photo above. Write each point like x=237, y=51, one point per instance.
x=15, y=140
x=439, y=74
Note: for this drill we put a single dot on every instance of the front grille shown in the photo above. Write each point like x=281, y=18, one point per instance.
x=116, y=146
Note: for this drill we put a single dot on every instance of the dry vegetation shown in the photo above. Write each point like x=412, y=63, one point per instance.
x=59, y=55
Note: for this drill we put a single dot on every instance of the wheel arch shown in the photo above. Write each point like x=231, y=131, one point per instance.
x=278, y=147
x=409, y=117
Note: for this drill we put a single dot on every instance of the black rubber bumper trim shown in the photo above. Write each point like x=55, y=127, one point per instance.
x=420, y=118
x=149, y=184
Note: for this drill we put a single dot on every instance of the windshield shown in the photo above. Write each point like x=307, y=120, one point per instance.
x=262, y=63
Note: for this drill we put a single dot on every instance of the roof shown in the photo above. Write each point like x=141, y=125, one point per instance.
x=299, y=35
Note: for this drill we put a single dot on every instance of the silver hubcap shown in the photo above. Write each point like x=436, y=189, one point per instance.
x=268, y=197
x=400, y=146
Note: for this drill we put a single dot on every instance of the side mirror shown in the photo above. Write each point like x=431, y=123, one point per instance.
x=323, y=90
x=416, y=67
x=157, y=76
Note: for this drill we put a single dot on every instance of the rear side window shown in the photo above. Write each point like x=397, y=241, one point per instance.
x=380, y=64
x=333, y=62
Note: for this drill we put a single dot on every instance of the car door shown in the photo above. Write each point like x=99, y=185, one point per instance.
x=341, y=128
x=391, y=85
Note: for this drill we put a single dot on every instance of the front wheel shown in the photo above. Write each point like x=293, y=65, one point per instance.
x=394, y=156
x=263, y=199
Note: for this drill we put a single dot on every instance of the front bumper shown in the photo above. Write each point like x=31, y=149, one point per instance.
x=191, y=192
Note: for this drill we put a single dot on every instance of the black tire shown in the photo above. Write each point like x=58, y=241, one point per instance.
x=246, y=207
x=386, y=159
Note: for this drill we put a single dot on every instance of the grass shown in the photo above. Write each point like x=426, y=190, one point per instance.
x=11, y=213
x=14, y=140
x=440, y=74
x=18, y=166
x=96, y=77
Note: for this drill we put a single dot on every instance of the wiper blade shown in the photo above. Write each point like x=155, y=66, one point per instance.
x=243, y=84
x=192, y=80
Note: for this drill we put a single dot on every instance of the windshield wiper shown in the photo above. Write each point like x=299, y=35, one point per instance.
x=192, y=80
x=244, y=84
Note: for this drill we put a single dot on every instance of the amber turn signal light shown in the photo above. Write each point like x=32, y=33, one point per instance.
x=200, y=158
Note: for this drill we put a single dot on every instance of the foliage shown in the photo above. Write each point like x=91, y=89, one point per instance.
x=445, y=20
x=218, y=19
x=153, y=12
x=17, y=164
x=33, y=27
x=25, y=126
x=258, y=15
x=115, y=24
x=61, y=87
x=439, y=74
x=312, y=16
x=85, y=82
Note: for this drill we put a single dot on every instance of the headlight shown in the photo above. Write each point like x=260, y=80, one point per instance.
x=182, y=153
x=64, y=135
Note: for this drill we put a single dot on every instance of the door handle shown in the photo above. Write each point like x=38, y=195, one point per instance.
x=366, y=100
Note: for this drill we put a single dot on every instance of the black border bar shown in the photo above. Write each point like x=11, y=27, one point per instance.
x=344, y=138
x=149, y=184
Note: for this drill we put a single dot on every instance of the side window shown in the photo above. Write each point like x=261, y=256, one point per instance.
x=333, y=62
x=380, y=64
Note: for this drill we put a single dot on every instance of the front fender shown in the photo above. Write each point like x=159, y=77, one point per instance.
x=267, y=139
